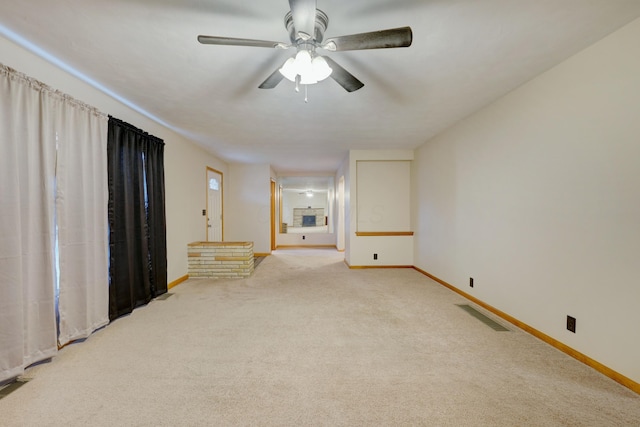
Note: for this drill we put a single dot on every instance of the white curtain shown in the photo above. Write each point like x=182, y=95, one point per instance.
x=82, y=218
x=39, y=126
x=27, y=161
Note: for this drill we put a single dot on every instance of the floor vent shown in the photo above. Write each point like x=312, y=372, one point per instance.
x=164, y=296
x=11, y=387
x=481, y=317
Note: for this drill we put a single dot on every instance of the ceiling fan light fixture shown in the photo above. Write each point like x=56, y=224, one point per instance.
x=311, y=71
x=289, y=70
x=321, y=69
x=303, y=62
x=308, y=79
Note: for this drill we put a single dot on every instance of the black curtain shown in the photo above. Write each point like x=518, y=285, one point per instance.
x=156, y=219
x=137, y=222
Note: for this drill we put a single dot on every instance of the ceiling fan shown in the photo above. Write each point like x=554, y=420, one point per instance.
x=306, y=26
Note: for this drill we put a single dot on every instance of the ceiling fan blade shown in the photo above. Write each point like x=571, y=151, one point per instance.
x=343, y=77
x=272, y=81
x=230, y=41
x=395, y=37
x=304, y=16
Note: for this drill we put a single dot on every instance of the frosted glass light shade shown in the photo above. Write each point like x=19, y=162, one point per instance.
x=308, y=79
x=303, y=62
x=288, y=70
x=321, y=69
x=311, y=71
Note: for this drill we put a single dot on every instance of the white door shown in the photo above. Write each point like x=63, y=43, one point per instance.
x=214, y=206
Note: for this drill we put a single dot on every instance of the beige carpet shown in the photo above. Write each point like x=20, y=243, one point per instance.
x=306, y=341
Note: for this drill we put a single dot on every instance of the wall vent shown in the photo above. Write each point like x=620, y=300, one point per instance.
x=164, y=296
x=11, y=387
x=481, y=317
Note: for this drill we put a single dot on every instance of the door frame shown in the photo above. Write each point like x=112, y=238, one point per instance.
x=206, y=217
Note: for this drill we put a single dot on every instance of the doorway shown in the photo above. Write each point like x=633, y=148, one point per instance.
x=214, y=206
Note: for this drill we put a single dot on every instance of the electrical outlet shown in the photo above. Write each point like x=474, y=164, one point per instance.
x=471, y=281
x=375, y=256
x=571, y=324
x=304, y=237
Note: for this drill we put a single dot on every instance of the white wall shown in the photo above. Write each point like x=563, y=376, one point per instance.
x=248, y=206
x=185, y=162
x=186, y=192
x=537, y=197
x=391, y=250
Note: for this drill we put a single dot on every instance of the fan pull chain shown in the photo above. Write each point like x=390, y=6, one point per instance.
x=306, y=94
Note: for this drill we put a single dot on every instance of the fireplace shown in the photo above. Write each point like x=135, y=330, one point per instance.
x=307, y=217
x=308, y=220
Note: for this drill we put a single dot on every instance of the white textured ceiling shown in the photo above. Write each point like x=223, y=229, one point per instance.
x=465, y=54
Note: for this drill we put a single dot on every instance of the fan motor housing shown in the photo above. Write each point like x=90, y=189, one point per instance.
x=322, y=22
